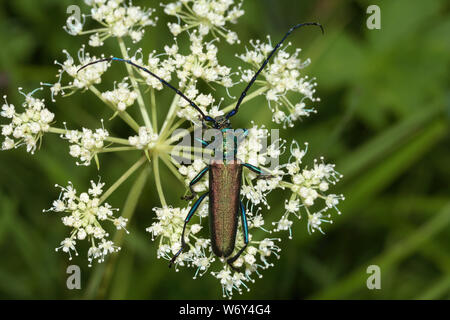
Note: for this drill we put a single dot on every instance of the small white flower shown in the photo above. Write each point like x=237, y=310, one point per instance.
x=292, y=206
x=96, y=189
x=67, y=245
x=59, y=205
x=145, y=140
x=120, y=223
x=8, y=110
x=81, y=234
x=8, y=144
x=196, y=228
x=314, y=222
x=122, y=97
x=95, y=41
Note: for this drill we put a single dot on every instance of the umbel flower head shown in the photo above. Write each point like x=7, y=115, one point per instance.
x=194, y=72
x=85, y=144
x=205, y=16
x=280, y=77
x=84, y=214
x=27, y=127
x=117, y=18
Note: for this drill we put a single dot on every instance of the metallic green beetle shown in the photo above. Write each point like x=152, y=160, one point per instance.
x=225, y=173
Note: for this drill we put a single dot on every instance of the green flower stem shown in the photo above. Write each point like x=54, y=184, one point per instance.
x=123, y=114
x=173, y=128
x=93, y=31
x=188, y=156
x=158, y=181
x=118, y=140
x=118, y=149
x=165, y=158
x=171, y=114
x=191, y=149
x=57, y=130
x=172, y=111
x=140, y=100
x=285, y=184
x=179, y=135
x=154, y=111
x=247, y=98
x=110, y=139
x=122, y=179
x=287, y=103
x=178, y=150
x=190, y=10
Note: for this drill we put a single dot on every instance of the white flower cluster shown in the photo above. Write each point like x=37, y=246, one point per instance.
x=198, y=254
x=203, y=101
x=25, y=128
x=168, y=229
x=122, y=97
x=118, y=19
x=145, y=140
x=253, y=150
x=205, y=16
x=281, y=76
x=251, y=263
x=308, y=186
x=163, y=68
x=85, y=144
x=200, y=63
x=82, y=79
x=85, y=213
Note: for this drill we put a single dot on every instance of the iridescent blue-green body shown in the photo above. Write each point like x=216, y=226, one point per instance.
x=225, y=180
x=225, y=206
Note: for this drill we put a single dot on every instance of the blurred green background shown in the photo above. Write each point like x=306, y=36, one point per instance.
x=383, y=120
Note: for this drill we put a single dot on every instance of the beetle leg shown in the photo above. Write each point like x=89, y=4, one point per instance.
x=193, y=182
x=242, y=135
x=259, y=171
x=245, y=229
x=186, y=221
x=203, y=142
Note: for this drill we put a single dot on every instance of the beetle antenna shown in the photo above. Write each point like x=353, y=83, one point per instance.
x=244, y=93
x=164, y=82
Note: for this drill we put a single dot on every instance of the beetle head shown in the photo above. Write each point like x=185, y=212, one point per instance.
x=222, y=122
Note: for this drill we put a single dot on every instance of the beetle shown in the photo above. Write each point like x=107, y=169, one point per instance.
x=225, y=173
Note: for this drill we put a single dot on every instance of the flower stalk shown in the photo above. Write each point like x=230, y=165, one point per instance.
x=123, y=178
